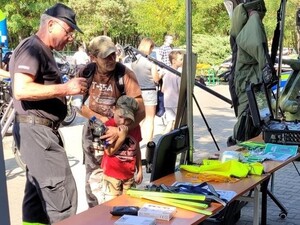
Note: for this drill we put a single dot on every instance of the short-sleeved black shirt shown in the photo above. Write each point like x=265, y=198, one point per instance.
x=33, y=57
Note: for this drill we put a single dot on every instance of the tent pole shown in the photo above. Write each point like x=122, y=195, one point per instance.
x=189, y=78
x=281, y=37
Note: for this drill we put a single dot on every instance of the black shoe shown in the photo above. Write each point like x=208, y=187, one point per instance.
x=230, y=141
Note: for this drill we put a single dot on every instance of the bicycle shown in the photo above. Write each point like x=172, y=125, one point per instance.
x=69, y=71
x=7, y=113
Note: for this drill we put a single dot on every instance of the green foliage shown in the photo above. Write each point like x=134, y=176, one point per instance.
x=156, y=18
x=270, y=21
x=211, y=50
x=23, y=18
x=126, y=21
x=210, y=18
x=104, y=17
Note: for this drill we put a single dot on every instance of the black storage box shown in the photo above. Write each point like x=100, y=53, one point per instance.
x=273, y=130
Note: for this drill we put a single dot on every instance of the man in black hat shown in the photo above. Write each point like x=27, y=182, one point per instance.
x=40, y=104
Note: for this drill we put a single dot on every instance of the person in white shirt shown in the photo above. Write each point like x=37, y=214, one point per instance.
x=81, y=57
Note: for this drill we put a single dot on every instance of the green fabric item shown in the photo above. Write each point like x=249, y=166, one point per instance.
x=256, y=168
x=229, y=168
x=239, y=19
x=252, y=145
x=249, y=33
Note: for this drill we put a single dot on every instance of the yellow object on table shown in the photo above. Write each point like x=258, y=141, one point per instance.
x=231, y=168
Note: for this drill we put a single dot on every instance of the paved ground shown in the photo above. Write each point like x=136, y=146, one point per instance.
x=220, y=119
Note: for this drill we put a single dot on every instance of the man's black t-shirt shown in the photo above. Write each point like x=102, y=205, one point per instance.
x=33, y=57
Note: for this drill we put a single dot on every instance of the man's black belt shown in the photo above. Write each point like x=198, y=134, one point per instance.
x=32, y=119
x=148, y=89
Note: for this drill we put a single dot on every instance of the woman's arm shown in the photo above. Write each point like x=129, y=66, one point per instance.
x=155, y=74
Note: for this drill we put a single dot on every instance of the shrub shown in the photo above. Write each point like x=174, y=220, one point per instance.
x=212, y=50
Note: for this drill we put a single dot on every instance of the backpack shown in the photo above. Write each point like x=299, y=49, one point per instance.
x=90, y=69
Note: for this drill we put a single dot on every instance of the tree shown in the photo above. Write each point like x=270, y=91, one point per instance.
x=23, y=18
x=156, y=18
x=210, y=18
x=128, y=20
x=104, y=17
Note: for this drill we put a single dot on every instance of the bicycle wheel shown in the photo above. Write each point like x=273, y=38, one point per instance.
x=18, y=156
x=3, y=109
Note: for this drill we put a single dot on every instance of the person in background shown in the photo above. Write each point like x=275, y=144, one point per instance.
x=81, y=58
x=165, y=50
x=163, y=56
x=171, y=89
x=5, y=61
x=120, y=53
x=39, y=100
x=5, y=65
x=123, y=158
x=104, y=90
x=148, y=78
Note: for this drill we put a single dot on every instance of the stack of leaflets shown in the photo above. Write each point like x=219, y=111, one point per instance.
x=276, y=152
x=280, y=152
x=157, y=211
x=134, y=220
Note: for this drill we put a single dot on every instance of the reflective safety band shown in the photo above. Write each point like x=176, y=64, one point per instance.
x=28, y=223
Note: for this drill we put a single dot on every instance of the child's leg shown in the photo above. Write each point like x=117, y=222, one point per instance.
x=170, y=119
x=112, y=188
x=127, y=184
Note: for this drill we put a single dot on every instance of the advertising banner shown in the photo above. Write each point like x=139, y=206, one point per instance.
x=3, y=32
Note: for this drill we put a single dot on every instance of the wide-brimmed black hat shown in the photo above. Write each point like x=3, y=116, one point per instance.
x=63, y=13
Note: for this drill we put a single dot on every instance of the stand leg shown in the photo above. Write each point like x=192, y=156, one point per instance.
x=256, y=206
x=265, y=193
x=283, y=212
x=264, y=188
x=205, y=121
x=296, y=168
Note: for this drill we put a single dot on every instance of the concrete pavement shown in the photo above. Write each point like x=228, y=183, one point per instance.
x=220, y=119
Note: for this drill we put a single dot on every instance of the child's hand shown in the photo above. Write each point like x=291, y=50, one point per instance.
x=122, y=131
x=111, y=135
x=139, y=177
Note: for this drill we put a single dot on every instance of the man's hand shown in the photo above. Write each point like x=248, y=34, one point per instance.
x=77, y=85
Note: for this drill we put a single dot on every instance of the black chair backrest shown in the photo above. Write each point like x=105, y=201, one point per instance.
x=168, y=148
